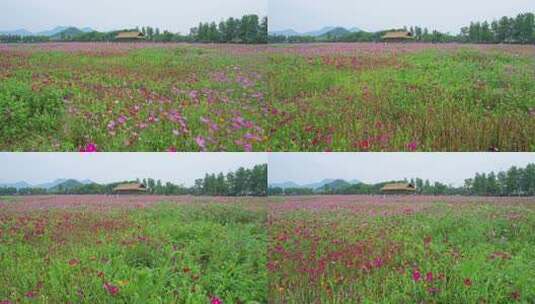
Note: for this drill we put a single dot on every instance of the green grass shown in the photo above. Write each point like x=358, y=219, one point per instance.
x=166, y=254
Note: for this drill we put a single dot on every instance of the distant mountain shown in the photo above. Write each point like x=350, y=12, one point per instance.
x=335, y=33
x=285, y=185
x=68, y=32
x=315, y=186
x=19, y=185
x=317, y=33
x=287, y=33
x=49, y=33
x=48, y=186
x=335, y=185
x=66, y=185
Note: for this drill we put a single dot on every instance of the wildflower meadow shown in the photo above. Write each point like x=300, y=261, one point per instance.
x=374, y=249
x=132, y=249
x=132, y=97
x=401, y=97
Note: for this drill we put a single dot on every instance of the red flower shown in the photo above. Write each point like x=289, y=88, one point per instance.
x=112, y=289
x=73, y=262
x=416, y=275
x=216, y=300
x=515, y=295
x=467, y=282
x=429, y=277
x=364, y=144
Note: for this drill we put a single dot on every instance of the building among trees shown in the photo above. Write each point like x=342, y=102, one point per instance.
x=130, y=36
x=398, y=188
x=398, y=36
x=132, y=188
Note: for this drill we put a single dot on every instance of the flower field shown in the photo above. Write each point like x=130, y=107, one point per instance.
x=104, y=249
x=366, y=249
x=402, y=97
x=132, y=97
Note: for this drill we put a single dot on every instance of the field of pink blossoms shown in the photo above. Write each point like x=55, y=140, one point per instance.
x=133, y=97
x=373, y=249
x=132, y=249
x=401, y=97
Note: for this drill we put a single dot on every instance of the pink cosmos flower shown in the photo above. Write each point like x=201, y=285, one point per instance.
x=429, y=277
x=122, y=119
x=201, y=142
x=216, y=300
x=5, y=302
x=412, y=146
x=112, y=289
x=89, y=148
x=31, y=294
x=416, y=276
x=378, y=262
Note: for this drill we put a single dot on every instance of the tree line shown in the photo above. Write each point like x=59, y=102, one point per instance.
x=517, y=30
x=249, y=29
x=242, y=182
x=512, y=182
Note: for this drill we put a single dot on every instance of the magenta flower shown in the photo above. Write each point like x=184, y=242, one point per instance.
x=112, y=289
x=429, y=277
x=416, y=276
x=378, y=262
x=216, y=300
x=5, y=302
x=89, y=148
x=412, y=146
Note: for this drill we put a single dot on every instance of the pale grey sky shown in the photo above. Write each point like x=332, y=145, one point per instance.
x=180, y=168
x=447, y=16
x=449, y=168
x=104, y=15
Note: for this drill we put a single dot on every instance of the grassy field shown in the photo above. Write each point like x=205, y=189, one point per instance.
x=363, y=249
x=98, y=249
x=132, y=97
x=413, y=97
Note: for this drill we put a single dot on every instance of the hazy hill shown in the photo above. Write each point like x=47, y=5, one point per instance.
x=316, y=33
x=319, y=185
x=48, y=33
x=66, y=185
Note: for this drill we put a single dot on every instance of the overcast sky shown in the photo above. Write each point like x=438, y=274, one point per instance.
x=104, y=15
x=449, y=168
x=446, y=16
x=180, y=168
